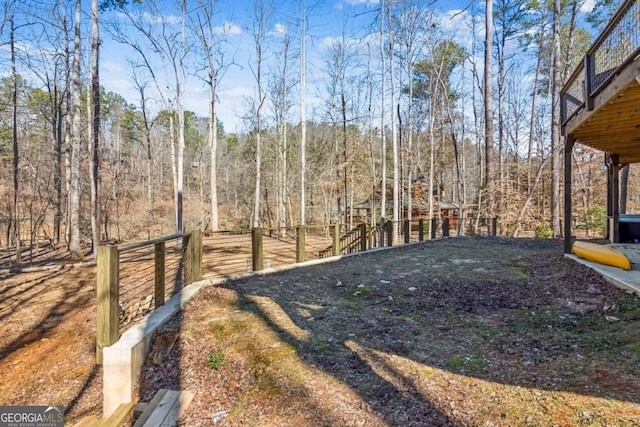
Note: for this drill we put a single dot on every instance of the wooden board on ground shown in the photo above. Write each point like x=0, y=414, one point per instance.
x=165, y=409
x=601, y=254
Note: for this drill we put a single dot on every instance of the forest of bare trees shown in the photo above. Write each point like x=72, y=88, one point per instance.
x=340, y=128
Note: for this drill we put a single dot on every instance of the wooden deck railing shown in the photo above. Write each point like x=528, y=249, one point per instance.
x=615, y=48
x=136, y=278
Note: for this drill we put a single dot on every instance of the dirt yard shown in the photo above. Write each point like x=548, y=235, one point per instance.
x=47, y=345
x=465, y=332
x=459, y=332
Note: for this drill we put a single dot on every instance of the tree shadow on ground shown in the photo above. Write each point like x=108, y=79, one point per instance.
x=540, y=324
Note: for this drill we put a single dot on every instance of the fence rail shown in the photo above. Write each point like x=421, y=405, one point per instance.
x=614, y=49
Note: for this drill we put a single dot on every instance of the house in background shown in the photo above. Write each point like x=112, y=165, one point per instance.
x=442, y=207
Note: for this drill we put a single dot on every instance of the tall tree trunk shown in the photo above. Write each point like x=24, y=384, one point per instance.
x=556, y=152
x=261, y=19
x=76, y=140
x=94, y=140
x=394, y=120
x=16, y=147
x=57, y=174
x=214, y=223
x=303, y=112
x=383, y=135
x=345, y=163
x=488, y=184
x=95, y=143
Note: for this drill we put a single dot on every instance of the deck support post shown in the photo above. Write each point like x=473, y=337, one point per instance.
x=568, y=151
x=613, y=198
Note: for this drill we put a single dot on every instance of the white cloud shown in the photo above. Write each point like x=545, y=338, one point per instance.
x=361, y=2
x=228, y=28
x=587, y=6
x=112, y=67
x=281, y=29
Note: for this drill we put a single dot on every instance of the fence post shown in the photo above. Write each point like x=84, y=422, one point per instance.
x=494, y=227
x=407, y=230
x=159, y=272
x=107, y=298
x=371, y=236
x=420, y=229
x=363, y=237
x=301, y=241
x=196, y=255
x=336, y=239
x=433, y=228
x=389, y=230
x=187, y=273
x=186, y=253
x=257, y=253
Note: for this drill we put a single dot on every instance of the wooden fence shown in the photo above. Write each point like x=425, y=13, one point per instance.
x=122, y=270
x=135, y=279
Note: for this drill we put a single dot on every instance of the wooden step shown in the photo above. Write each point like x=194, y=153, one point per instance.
x=115, y=420
x=119, y=416
x=164, y=410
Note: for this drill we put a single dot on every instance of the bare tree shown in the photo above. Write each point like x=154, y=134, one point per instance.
x=94, y=119
x=209, y=36
x=14, y=134
x=412, y=23
x=261, y=20
x=167, y=40
x=280, y=101
x=488, y=184
x=303, y=111
x=394, y=117
x=76, y=141
x=556, y=86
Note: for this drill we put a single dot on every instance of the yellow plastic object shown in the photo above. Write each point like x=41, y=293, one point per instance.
x=601, y=254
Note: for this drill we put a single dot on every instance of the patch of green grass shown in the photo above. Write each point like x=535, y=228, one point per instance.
x=628, y=308
x=365, y=388
x=359, y=292
x=519, y=274
x=588, y=334
x=222, y=328
x=482, y=330
x=321, y=347
x=215, y=360
x=469, y=364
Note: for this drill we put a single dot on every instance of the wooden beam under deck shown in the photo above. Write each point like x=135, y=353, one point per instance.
x=613, y=125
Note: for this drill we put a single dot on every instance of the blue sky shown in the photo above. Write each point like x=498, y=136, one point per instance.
x=327, y=19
